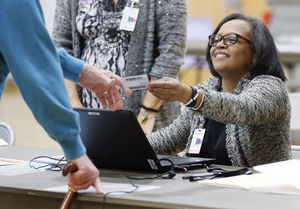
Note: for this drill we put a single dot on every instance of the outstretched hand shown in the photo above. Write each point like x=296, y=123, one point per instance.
x=170, y=89
x=104, y=84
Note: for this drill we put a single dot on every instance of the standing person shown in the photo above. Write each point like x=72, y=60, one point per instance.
x=28, y=53
x=90, y=30
x=240, y=115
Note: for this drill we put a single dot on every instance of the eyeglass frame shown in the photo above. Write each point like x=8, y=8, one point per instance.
x=222, y=39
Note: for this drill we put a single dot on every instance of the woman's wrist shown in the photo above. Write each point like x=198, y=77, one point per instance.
x=149, y=108
x=186, y=95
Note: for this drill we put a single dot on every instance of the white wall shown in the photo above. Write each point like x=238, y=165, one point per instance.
x=48, y=9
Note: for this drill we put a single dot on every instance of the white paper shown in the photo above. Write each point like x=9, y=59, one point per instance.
x=18, y=169
x=281, y=177
x=7, y=161
x=106, y=188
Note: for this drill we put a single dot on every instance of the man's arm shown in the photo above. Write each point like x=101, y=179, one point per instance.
x=30, y=56
x=32, y=60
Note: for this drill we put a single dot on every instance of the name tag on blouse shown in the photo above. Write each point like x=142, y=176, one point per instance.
x=197, y=141
x=129, y=18
x=88, y=1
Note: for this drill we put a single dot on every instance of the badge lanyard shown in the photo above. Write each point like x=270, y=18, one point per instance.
x=197, y=141
x=129, y=18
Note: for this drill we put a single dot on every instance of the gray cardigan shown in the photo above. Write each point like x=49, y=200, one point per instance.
x=257, y=118
x=157, y=45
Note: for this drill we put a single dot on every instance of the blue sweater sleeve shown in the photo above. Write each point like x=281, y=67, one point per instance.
x=71, y=66
x=29, y=54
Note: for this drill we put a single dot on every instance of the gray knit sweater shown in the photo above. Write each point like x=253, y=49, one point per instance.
x=156, y=48
x=257, y=118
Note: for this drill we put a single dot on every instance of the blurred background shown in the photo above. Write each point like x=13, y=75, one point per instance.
x=282, y=18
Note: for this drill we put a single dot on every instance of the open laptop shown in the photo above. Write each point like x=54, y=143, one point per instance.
x=116, y=140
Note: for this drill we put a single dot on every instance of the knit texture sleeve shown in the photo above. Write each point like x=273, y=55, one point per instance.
x=262, y=100
x=62, y=28
x=170, y=22
x=173, y=138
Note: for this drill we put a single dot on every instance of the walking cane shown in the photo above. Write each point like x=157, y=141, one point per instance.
x=68, y=168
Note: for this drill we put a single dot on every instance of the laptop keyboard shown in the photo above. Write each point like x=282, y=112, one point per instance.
x=177, y=160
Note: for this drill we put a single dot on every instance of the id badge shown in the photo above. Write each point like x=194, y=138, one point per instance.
x=137, y=82
x=197, y=141
x=129, y=18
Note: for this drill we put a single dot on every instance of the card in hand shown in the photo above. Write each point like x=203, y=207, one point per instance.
x=138, y=82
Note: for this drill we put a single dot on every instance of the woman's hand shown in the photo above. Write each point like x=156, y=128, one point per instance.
x=147, y=124
x=170, y=89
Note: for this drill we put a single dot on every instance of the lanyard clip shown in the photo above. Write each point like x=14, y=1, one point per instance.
x=133, y=2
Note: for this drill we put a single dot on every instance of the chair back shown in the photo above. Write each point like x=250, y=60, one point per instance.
x=7, y=134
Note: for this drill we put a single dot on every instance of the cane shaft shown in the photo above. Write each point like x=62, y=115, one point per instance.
x=67, y=200
x=69, y=168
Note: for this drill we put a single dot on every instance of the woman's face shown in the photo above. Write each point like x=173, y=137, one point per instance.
x=232, y=60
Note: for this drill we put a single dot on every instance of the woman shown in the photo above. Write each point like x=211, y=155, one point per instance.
x=241, y=114
x=89, y=29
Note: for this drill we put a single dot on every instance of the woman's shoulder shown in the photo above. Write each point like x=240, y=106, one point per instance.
x=211, y=82
x=268, y=84
x=268, y=79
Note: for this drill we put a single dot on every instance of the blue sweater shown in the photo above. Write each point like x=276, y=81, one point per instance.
x=38, y=68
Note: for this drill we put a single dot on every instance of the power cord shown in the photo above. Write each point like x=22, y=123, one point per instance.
x=167, y=175
x=135, y=187
x=58, y=166
x=218, y=172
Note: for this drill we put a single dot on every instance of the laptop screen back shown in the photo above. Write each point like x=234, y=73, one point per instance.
x=116, y=140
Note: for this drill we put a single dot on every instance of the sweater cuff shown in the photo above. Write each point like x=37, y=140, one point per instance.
x=71, y=66
x=73, y=148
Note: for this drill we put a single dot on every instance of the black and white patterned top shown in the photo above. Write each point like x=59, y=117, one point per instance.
x=157, y=46
x=106, y=46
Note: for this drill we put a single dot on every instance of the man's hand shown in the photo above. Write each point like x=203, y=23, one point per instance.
x=86, y=175
x=104, y=83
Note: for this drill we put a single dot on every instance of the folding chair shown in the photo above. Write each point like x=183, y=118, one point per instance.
x=7, y=134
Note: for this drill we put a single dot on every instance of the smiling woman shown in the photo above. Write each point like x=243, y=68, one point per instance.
x=241, y=114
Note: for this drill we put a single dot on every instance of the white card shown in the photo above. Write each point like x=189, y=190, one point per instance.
x=197, y=141
x=137, y=82
x=129, y=18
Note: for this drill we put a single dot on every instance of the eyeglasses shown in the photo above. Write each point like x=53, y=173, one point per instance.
x=228, y=39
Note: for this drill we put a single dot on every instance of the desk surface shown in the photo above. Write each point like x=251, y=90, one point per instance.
x=26, y=191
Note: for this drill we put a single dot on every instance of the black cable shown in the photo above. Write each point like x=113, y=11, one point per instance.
x=52, y=167
x=218, y=172
x=125, y=192
x=167, y=175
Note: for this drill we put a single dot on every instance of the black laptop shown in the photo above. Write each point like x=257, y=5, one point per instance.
x=116, y=140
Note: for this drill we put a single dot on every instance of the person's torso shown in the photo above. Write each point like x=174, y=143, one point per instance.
x=105, y=45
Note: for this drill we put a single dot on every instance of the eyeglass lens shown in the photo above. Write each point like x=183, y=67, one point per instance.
x=228, y=39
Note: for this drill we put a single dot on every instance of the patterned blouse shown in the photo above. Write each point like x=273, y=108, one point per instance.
x=106, y=46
